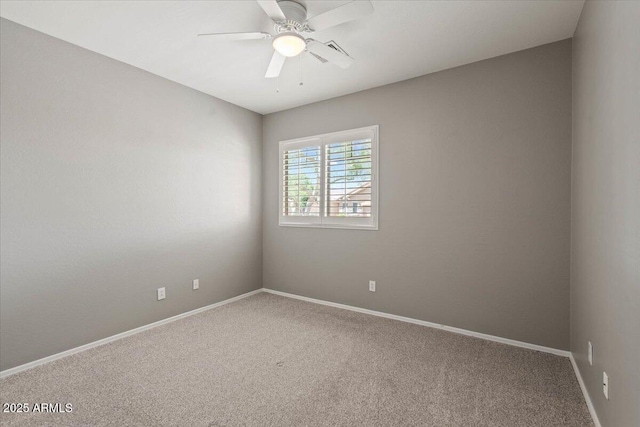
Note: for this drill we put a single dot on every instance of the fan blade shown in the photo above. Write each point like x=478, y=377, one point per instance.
x=347, y=12
x=272, y=9
x=277, y=61
x=330, y=54
x=237, y=36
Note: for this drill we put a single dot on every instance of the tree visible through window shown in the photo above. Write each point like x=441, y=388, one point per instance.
x=302, y=182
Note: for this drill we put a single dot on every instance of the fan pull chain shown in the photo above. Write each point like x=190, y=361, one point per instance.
x=301, y=74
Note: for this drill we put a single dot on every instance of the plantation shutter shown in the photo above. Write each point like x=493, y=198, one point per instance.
x=301, y=181
x=348, y=178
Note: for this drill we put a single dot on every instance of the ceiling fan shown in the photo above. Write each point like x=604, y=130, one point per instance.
x=291, y=23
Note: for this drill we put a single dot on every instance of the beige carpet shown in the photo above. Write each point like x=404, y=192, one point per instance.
x=273, y=361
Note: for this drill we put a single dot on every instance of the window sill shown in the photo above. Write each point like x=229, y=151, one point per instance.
x=333, y=226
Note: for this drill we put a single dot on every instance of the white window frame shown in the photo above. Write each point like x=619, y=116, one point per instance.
x=323, y=221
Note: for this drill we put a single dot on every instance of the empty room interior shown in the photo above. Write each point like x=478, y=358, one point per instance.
x=320, y=213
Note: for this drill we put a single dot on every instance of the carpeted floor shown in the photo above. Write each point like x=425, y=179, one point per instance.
x=273, y=361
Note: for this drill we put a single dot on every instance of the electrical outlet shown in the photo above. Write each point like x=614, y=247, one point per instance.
x=196, y=284
x=372, y=286
x=590, y=353
x=161, y=294
x=605, y=385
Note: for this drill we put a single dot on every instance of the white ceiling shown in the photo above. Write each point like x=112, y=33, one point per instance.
x=400, y=40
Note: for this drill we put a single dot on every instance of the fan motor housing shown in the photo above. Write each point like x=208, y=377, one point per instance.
x=294, y=11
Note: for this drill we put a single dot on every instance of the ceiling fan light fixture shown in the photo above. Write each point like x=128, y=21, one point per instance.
x=289, y=44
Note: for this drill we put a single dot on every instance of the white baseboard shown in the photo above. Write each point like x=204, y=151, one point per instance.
x=585, y=393
x=112, y=338
x=507, y=341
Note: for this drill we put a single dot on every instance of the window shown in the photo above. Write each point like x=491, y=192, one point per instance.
x=330, y=180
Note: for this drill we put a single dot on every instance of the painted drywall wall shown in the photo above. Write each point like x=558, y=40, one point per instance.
x=605, y=223
x=474, y=200
x=116, y=182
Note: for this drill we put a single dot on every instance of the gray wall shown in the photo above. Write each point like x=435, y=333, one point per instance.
x=474, y=200
x=116, y=182
x=605, y=232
